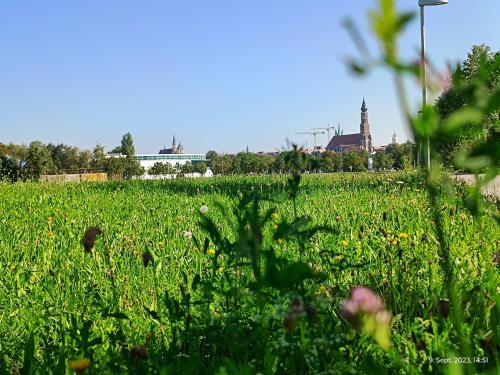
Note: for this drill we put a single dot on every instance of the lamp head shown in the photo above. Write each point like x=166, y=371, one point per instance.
x=424, y=3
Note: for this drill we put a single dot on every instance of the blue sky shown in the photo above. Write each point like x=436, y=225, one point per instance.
x=219, y=74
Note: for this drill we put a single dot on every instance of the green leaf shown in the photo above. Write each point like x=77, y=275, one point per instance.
x=494, y=102
x=152, y=313
x=459, y=119
x=427, y=123
x=404, y=19
x=29, y=356
x=118, y=315
x=357, y=67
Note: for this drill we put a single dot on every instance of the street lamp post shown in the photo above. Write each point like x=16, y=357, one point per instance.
x=422, y=4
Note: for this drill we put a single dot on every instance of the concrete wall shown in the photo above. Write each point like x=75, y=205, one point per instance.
x=83, y=177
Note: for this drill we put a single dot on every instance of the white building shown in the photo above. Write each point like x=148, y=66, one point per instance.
x=148, y=160
x=175, y=156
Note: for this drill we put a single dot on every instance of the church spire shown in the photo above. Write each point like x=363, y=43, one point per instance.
x=363, y=106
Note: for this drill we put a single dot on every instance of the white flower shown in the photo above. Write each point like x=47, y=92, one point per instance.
x=203, y=209
x=188, y=235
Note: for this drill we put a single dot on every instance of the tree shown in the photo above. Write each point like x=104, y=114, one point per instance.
x=480, y=69
x=98, y=157
x=127, y=145
x=115, y=167
x=401, y=154
x=200, y=167
x=131, y=166
x=116, y=150
x=38, y=160
x=278, y=165
x=353, y=162
x=10, y=170
x=160, y=168
x=382, y=161
x=85, y=159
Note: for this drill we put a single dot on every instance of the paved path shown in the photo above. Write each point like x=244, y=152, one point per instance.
x=491, y=189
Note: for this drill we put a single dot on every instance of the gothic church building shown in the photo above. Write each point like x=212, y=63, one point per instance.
x=354, y=142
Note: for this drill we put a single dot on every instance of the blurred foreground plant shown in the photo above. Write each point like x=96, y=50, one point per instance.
x=387, y=24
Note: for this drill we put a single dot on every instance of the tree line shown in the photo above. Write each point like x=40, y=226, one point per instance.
x=21, y=162
x=394, y=157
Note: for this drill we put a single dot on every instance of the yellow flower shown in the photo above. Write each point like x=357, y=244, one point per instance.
x=211, y=251
x=51, y=234
x=394, y=242
x=79, y=365
x=275, y=226
x=275, y=216
x=403, y=235
x=344, y=243
x=280, y=240
x=49, y=220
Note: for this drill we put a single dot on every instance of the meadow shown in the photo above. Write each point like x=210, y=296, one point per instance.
x=245, y=275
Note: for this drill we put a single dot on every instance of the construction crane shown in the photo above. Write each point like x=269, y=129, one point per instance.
x=314, y=134
x=328, y=128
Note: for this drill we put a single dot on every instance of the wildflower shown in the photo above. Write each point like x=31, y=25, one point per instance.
x=80, y=365
x=344, y=243
x=51, y=234
x=188, y=235
x=279, y=240
x=211, y=252
x=366, y=310
x=49, y=220
x=394, y=242
x=275, y=226
x=275, y=216
x=403, y=235
x=89, y=237
x=203, y=209
x=361, y=300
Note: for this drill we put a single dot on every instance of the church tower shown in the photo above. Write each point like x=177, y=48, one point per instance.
x=174, y=146
x=394, y=139
x=364, y=129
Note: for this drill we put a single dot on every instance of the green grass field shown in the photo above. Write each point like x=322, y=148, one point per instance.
x=242, y=289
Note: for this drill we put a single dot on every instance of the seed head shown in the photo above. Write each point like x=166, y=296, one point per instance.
x=89, y=237
x=80, y=365
x=147, y=258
